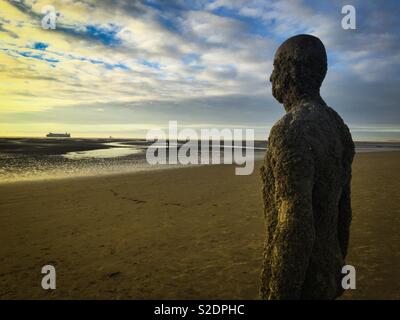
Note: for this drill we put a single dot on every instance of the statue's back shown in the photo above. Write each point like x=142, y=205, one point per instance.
x=333, y=151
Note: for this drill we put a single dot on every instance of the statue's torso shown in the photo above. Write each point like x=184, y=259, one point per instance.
x=329, y=144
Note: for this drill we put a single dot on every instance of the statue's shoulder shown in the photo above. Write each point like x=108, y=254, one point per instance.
x=291, y=122
x=283, y=124
x=287, y=130
x=298, y=125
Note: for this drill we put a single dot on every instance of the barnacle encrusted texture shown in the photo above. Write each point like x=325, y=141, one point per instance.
x=306, y=181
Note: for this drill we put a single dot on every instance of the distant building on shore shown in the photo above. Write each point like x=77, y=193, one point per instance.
x=58, y=135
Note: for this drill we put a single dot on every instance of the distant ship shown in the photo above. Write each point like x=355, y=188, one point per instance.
x=58, y=135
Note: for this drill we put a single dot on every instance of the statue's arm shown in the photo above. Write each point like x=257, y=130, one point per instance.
x=345, y=213
x=294, y=235
x=344, y=219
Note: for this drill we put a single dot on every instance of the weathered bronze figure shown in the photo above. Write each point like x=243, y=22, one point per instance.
x=306, y=181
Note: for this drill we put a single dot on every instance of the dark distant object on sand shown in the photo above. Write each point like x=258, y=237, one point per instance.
x=58, y=135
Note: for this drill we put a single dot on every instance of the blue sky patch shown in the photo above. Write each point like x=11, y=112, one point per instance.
x=40, y=46
x=150, y=64
x=39, y=56
x=105, y=34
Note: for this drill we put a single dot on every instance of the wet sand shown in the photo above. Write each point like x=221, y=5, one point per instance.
x=50, y=146
x=187, y=233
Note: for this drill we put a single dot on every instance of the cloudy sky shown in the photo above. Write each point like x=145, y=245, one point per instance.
x=120, y=68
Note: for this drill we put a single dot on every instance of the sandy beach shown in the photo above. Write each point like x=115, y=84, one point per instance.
x=187, y=233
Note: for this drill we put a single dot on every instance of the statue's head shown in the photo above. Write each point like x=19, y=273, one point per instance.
x=300, y=66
